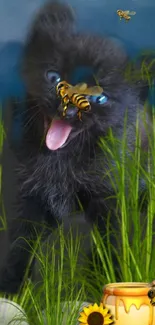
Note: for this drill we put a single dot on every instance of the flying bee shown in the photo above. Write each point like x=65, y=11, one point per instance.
x=151, y=293
x=77, y=96
x=125, y=14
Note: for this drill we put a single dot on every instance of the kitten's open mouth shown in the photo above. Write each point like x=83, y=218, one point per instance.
x=59, y=134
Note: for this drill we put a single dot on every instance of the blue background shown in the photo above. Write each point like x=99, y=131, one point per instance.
x=97, y=16
x=92, y=15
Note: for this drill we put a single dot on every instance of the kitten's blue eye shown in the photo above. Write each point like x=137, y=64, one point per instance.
x=53, y=77
x=102, y=99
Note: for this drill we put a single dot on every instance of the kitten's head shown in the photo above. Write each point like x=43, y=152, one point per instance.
x=55, y=51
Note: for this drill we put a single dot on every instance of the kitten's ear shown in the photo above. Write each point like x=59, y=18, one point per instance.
x=54, y=16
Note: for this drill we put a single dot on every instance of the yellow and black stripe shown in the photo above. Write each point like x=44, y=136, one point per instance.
x=80, y=102
x=62, y=91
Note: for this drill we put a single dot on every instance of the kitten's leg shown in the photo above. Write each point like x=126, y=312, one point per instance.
x=22, y=230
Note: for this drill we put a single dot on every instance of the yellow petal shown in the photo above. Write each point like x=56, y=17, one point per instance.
x=100, y=310
x=95, y=307
x=108, y=315
x=82, y=314
x=105, y=311
x=86, y=310
x=82, y=319
x=108, y=321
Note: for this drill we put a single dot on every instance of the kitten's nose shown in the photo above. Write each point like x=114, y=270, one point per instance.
x=69, y=112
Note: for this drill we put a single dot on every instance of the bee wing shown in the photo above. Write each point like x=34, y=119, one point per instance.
x=131, y=13
x=96, y=90
x=79, y=88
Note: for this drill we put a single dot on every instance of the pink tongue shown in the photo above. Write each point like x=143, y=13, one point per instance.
x=57, y=134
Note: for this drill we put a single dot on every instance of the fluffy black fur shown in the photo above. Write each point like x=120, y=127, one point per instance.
x=50, y=181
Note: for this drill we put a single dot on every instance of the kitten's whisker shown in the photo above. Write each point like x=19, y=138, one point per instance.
x=26, y=100
x=23, y=112
x=30, y=120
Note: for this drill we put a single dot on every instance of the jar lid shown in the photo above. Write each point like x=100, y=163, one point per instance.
x=127, y=289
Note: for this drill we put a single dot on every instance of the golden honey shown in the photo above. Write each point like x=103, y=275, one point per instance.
x=128, y=303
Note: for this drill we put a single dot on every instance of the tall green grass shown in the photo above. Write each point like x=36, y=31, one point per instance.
x=62, y=277
x=136, y=250
x=61, y=291
x=2, y=137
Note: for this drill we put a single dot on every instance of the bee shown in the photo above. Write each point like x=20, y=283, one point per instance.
x=151, y=293
x=77, y=96
x=125, y=14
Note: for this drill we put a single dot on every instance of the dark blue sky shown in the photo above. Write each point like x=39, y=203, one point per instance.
x=93, y=15
x=98, y=16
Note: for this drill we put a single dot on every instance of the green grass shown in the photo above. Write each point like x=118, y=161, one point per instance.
x=64, y=279
x=2, y=137
x=136, y=254
x=62, y=283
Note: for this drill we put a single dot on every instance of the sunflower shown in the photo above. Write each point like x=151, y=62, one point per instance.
x=95, y=315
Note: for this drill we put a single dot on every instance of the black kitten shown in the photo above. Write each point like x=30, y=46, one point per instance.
x=59, y=158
